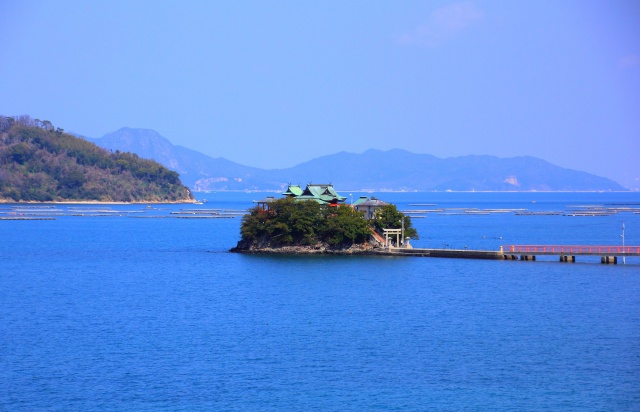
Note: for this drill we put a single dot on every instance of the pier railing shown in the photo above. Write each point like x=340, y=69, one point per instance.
x=572, y=250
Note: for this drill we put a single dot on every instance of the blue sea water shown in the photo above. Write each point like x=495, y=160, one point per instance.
x=129, y=313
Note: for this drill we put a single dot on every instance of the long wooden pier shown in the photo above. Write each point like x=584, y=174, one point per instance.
x=608, y=254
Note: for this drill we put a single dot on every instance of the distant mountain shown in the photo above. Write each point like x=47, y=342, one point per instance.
x=197, y=170
x=401, y=170
x=372, y=170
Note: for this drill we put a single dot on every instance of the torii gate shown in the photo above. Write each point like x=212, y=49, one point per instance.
x=391, y=232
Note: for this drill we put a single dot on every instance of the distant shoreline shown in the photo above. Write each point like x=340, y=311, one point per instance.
x=429, y=191
x=89, y=202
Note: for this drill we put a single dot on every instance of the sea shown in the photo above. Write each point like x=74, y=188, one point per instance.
x=143, y=308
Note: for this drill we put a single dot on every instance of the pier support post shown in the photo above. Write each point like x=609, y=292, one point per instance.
x=567, y=258
x=609, y=259
x=527, y=257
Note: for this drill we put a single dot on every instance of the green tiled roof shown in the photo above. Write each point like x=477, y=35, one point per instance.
x=293, y=190
x=321, y=193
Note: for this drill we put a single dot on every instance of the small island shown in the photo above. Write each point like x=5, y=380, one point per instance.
x=42, y=163
x=316, y=220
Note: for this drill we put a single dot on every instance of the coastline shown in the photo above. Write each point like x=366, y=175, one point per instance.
x=372, y=191
x=367, y=250
x=91, y=202
x=320, y=249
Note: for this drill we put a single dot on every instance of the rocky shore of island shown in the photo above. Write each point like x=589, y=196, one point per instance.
x=317, y=249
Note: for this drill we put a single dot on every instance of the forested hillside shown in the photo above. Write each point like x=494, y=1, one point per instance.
x=39, y=162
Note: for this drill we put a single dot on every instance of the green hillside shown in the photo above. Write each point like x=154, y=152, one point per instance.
x=41, y=163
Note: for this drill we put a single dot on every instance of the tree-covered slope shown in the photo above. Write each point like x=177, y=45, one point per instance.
x=41, y=163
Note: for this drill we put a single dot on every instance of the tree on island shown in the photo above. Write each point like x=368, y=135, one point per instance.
x=288, y=222
x=388, y=217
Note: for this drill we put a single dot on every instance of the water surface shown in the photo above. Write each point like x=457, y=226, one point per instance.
x=124, y=313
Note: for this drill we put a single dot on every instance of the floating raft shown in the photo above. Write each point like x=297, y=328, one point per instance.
x=204, y=217
x=27, y=218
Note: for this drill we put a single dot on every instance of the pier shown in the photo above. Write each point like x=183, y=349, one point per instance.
x=446, y=253
x=608, y=254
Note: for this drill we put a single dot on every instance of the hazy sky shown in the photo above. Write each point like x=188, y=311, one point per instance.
x=275, y=83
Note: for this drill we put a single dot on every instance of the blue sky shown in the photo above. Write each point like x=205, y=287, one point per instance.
x=273, y=84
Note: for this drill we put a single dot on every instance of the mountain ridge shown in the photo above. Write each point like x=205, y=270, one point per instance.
x=374, y=169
